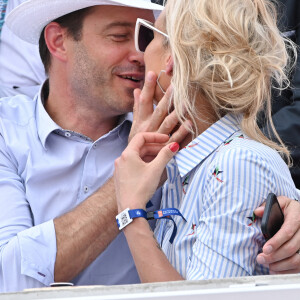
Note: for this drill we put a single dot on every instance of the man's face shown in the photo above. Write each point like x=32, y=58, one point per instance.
x=105, y=67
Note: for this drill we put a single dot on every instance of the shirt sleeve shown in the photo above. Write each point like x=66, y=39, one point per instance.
x=27, y=250
x=228, y=238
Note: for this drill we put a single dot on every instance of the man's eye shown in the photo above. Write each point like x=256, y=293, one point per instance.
x=119, y=37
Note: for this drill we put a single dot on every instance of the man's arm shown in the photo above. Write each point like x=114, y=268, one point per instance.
x=36, y=255
x=27, y=252
x=85, y=232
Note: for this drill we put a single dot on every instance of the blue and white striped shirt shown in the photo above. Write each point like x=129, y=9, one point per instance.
x=216, y=182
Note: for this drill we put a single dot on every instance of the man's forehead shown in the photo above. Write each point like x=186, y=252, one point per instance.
x=110, y=16
x=118, y=24
x=125, y=11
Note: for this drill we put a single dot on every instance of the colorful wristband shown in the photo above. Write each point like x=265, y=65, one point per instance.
x=126, y=217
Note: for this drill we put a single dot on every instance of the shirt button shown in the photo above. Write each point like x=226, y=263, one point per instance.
x=67, y=134
x=95, y=146
x=86, y=189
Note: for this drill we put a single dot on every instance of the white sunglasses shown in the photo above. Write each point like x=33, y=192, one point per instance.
x=144, y=34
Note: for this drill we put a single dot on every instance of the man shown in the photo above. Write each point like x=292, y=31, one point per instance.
x=57, y=150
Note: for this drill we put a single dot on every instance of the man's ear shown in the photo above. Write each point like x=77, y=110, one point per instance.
x=169, y=67
x=55, y=40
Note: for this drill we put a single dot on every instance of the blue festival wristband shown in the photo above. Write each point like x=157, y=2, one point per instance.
x=126, y=217
x=166, y=213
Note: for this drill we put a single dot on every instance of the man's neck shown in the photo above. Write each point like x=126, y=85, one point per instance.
x=68, y=114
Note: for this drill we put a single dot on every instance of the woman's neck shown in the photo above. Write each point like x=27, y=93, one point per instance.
x=205, y=116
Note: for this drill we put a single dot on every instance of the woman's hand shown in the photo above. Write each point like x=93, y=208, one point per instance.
x=136, y=180
x=281, y=252
x=160, y=119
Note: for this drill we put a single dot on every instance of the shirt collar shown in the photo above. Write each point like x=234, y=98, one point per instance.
x=46, y=125
x=126, y=117
x=208, y=141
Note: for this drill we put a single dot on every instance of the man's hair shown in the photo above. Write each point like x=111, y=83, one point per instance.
x=73, y=23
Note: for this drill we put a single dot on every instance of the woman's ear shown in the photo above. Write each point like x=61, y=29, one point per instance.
x=169, y=67
x=55, y=40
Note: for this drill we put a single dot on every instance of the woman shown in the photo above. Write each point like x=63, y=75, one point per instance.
x=221, y=57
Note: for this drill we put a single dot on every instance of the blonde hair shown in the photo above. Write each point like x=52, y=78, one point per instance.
x=231, y=52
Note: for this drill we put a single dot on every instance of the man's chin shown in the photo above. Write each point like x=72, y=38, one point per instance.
x=128, y=103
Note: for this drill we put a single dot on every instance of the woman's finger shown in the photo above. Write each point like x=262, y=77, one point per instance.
x=146, y=138
x=150, y=150
x=182, y=132
x=161, y=110
x=163, y=157
x=169, y=123
x=136, y=95
x=146, y=96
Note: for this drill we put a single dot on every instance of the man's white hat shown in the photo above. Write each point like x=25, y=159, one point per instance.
x=29, y=18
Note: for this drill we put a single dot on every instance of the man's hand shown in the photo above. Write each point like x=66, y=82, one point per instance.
x=280, y=253
x=161, y=120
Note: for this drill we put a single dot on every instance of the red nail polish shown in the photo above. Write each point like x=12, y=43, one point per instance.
x=174, y=147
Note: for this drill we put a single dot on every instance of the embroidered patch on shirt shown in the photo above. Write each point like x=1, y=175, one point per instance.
x=193, y=229
x=191, y=146
x=253, y=219
x=227, y=142
x=185, y=183
x=216, y=174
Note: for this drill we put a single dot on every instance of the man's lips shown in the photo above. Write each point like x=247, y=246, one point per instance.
x=132, y=80
x=135, y=77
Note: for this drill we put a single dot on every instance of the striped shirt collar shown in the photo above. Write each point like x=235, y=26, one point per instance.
x=207, y=142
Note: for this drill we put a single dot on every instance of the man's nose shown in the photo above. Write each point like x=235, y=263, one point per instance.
x=136, y=57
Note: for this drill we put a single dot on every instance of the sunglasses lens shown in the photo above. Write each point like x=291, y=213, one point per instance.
x=145, y=37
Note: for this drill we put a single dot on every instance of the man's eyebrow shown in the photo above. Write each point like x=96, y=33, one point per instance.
x=119, y=24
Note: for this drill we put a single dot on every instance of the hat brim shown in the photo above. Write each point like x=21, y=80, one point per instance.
x=29, y=18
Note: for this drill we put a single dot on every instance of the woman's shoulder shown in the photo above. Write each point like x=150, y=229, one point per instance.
x=241, y=154
x=242, y=146
x=242, y=163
